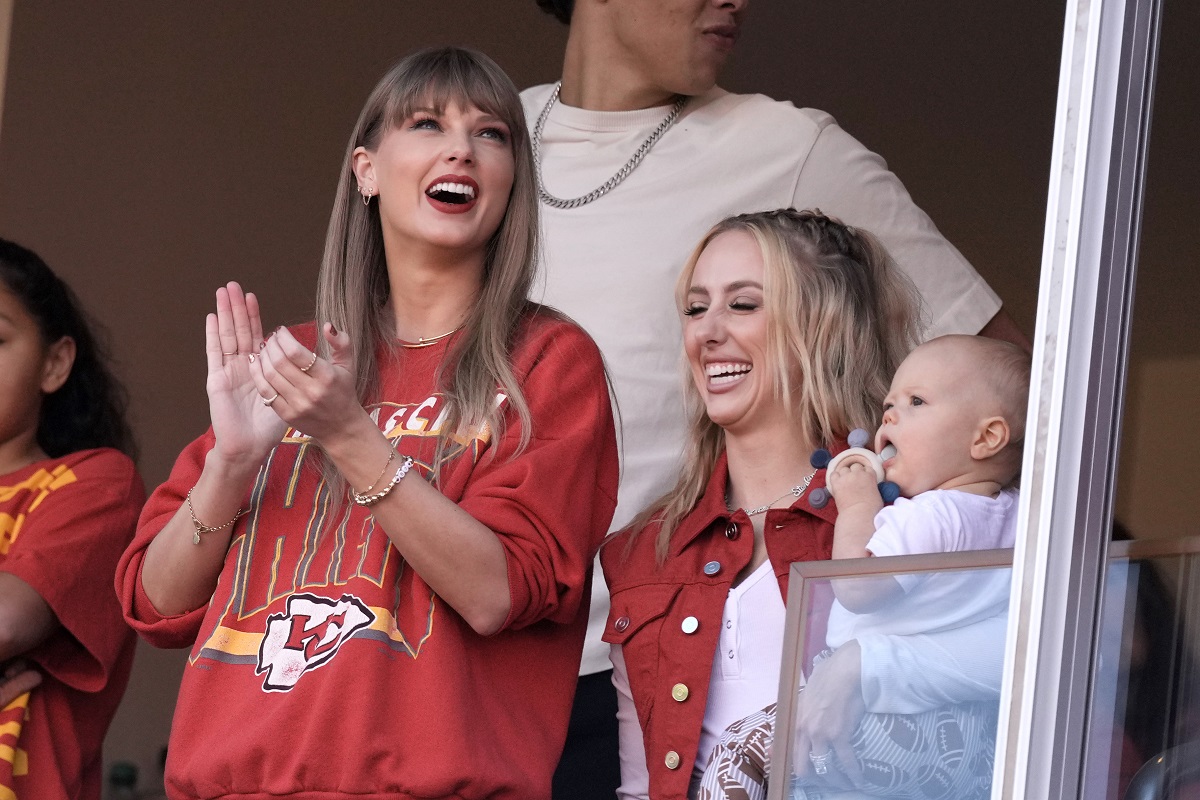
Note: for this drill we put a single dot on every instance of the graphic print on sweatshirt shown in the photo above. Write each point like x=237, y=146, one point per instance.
x=307, y=636
x=305, y=585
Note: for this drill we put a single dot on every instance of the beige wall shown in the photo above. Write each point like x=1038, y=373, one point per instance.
x=1157, y=478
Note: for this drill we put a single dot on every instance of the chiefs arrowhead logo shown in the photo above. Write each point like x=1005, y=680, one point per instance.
x=307, y=636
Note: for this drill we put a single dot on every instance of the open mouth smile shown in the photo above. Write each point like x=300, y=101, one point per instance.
x=725, y=372
x=453, y=194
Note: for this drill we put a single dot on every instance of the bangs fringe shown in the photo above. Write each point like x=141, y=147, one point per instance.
x=449, y=77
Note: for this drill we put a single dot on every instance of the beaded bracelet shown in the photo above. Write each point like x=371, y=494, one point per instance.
x=201, y=527
x=372, y=499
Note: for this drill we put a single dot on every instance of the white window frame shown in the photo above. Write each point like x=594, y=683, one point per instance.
x=1080, y=354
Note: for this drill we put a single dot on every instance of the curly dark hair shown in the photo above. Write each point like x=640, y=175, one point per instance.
x=561, y=9
x=88, y=410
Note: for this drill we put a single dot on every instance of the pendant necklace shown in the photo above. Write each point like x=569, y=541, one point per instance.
x=425, y=342
x=796, y=490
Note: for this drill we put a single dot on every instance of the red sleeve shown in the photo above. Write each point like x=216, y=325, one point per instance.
x=551, y=505
x=180, y=630
x=67, y=551
x=160, y=631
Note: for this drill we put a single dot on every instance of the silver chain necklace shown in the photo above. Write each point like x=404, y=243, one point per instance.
x=612, y=182
x=796, y=490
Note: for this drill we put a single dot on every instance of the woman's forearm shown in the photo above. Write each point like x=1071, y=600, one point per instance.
x=460, y=558
x=179, y=574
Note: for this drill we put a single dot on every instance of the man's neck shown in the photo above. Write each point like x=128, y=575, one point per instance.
x=597, y=80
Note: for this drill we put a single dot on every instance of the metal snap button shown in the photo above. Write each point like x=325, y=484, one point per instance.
x=621, y=624
x=672, y=760
x=712, y=568
x=690, y=624
x=732, y=531
x=680, y=692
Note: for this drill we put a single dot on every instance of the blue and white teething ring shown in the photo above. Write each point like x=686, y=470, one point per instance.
x=858, y=439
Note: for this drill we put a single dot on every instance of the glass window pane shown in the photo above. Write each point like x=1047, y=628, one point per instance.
x=1145, y=693
x=928, y=632
x=1145, y=738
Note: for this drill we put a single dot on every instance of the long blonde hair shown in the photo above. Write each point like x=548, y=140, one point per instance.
x=353, y=288
x=840, y=315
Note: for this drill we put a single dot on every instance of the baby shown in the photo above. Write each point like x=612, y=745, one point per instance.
x=955, y=415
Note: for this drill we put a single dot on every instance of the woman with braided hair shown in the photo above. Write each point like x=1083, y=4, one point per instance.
x=793, y=324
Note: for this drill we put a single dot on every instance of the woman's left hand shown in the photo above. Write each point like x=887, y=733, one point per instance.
x=828, y=712
x=312, y=394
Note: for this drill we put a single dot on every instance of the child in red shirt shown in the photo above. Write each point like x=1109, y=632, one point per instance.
x=69, y=499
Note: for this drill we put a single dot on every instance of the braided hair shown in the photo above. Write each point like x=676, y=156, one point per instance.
x=840, y=318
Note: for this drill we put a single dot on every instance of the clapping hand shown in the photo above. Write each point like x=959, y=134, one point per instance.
x=315, y=395
x=246, y=429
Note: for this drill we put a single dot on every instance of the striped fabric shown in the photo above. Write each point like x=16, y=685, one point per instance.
x=12, y=758
x=944, y=754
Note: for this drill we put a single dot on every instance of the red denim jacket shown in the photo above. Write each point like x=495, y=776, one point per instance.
x=667, y=618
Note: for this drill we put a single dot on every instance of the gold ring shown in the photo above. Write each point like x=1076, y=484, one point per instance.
x=310, y=364
x=234, y=353
x=268, y=400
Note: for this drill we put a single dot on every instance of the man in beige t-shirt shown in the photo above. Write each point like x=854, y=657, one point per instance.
x=618, y=230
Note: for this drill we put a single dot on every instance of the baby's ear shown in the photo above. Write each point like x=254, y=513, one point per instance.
x=991, y=437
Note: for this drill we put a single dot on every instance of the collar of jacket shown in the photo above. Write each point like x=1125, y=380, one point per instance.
x=711, y=508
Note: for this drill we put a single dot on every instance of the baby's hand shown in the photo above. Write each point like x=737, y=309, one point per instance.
x=854, y=481
x=864, y=460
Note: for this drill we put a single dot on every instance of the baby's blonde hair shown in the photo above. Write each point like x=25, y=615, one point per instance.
x=1003, y=369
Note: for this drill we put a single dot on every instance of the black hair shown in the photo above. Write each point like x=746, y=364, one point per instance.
x=88, y=410
x=561, y=9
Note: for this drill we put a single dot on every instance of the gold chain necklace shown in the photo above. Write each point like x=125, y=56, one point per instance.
x=425, y=342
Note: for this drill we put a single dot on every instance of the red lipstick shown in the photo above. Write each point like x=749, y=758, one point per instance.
x=452, y=194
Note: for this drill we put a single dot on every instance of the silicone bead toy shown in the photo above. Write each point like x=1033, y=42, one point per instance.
x=858, y=440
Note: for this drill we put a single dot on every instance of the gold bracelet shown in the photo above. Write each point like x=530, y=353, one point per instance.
x=391, y=458
x=201, y=527
x=372, y=499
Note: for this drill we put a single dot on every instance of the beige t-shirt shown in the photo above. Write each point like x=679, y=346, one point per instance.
x=611, y=265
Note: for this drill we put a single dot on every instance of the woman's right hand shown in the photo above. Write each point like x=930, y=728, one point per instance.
x=828, y=712
x=244, y=426
x=181, y=566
